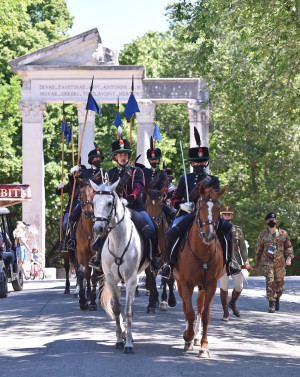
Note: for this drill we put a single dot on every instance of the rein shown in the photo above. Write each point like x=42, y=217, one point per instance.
x=87, y=214
x=88, y=236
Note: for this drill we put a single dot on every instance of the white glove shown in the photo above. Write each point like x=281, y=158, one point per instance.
x=74, y=169
x=187, y=207
x=60, y=186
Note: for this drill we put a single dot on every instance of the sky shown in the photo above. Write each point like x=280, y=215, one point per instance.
x=118, y=21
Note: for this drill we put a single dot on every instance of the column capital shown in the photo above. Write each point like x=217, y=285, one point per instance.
x=82, y=111
x=32, y=112
x=147, y=111
x=196, y=113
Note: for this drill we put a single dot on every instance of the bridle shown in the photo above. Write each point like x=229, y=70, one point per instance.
x=200, y=224
x=87, y=214
x=107, y=228
x=157, y=219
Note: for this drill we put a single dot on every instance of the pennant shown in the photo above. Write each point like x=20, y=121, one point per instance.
x=156, y=133
x=69, y=137
x=131, y=107
x=93, y=105
x=118, y=121
x=64, y=128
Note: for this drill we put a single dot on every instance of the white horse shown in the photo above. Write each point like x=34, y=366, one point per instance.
x=122, y=255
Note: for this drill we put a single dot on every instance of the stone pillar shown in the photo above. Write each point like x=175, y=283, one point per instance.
x=33, y=167
x=145, y=124
x=89, y=133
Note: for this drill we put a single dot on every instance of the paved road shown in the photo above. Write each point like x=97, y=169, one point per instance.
x=43, y=332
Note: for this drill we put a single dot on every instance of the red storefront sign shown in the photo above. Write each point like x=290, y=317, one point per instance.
x=14, y=194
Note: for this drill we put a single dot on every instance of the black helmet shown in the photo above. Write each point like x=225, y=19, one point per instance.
x=121, y=145
x=153, y=153
x=97, y=152
x=199, y=153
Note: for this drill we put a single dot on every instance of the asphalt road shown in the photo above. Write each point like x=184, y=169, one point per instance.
x=43, y=332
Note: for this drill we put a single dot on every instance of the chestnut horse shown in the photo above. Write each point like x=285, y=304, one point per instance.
x=84, y=252
x=154, y=207
x=200, y=264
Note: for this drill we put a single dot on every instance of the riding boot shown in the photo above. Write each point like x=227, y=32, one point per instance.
x=95, y=261
x=156, y=254
x=232, y=306
x=224, y=301
x=277, y=304
x=231, y=268
x=166, y=269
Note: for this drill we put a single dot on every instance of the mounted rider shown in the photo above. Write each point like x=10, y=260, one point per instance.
x=131, y=187
x=157, y=179
x=95, y=159
x=199, y=160
x=171, y=186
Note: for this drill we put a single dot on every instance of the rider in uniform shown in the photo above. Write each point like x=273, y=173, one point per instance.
x=131, y=187
x=199, y=160
x=157, y=179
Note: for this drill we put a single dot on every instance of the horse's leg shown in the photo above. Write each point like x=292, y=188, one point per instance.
x=153, y=298
x=130, y=294
x=92, y=304
x=200, y=303
x=87, y=275
x=120, y=330
x=163, y=303
x=209, y=294
x=172, y=299
x=67, y=270
x=188, y=335
x=83, y=303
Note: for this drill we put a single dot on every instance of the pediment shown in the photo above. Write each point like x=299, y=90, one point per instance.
x=84, y=49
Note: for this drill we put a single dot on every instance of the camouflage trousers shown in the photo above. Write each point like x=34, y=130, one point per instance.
x=274, y=282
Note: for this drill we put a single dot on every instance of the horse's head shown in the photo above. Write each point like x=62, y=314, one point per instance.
x=208, y=212
x=154, y=202
x=86, y=195
x=105, y=204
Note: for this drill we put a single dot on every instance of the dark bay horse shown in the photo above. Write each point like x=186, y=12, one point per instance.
x=154, y=207
x=84, y=252
x=200, y=264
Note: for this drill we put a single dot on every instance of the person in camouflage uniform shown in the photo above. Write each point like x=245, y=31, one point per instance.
x=240, y=256
x=273, y=252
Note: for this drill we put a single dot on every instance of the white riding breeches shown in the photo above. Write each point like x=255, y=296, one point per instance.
x=237, y=281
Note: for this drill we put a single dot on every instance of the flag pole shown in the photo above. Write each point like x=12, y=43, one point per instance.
x=62, y=172
x=73, y=157
x=132, y=89
x=79, y=154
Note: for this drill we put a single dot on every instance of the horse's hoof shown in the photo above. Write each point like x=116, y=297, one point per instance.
x=93, y=307
x=128, y=350
x=197, y=342
x=120, y=345
x=150, y=310
x=172, y=302
x=203, y=353
x=163, y=305
x=67, y=291
x=84, y=307
x=188, y=346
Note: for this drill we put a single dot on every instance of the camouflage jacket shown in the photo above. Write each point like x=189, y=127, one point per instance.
x=239, y=245
x=284, y=249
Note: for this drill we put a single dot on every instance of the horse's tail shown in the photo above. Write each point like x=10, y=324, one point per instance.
x=106, y=301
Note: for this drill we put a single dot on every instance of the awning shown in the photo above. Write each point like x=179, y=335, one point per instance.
x=14, y=194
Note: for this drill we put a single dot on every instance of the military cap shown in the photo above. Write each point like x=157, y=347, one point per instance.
x=121, y=146
x=226, y=209
x=95, y=153
x=153, y=153
x=270, y=215
x=198, y=153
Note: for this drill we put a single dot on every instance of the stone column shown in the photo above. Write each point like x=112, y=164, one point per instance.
x=89, y=133
x=145, y=122
x=33, y=167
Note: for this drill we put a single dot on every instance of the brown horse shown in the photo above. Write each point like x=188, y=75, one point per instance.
x=200, y=264
x=154, y=207
x=84, y=252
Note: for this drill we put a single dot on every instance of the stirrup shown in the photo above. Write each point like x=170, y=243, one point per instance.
x=233, y=269
x=95, y=263
x=165, y=271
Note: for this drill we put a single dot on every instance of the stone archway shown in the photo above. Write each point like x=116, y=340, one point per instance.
x=62, y=72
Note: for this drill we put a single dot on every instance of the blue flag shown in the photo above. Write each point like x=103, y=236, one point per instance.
x=69, y=138
x=117, y=121
x=64, y=128
x=93, y=105
x=131, y=107
x=156, y=133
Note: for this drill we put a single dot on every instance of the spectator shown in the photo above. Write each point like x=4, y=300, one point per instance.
x=22, y=246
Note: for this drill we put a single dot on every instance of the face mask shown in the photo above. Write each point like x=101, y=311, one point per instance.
x=199, y=168
x=154, y=165
x=271, y=223
x=97, y=163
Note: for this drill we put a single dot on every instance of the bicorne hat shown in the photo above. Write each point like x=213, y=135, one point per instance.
x=198, y=153
x=97, y=152
x=153, y=153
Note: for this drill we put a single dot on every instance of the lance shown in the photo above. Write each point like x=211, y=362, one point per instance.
x=185, y=178
x=132, y=88
x=79, y=154
x=62, y=172
x=73, y=157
